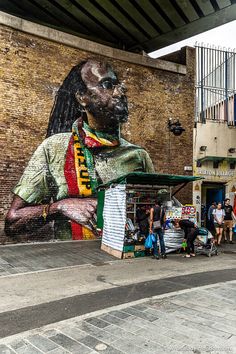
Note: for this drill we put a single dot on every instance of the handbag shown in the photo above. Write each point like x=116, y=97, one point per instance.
x=149, y=241
x=157, y=224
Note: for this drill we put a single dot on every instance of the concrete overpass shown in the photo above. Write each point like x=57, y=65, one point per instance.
x=131, y=25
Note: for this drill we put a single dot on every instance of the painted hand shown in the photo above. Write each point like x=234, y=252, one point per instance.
x=80, y=210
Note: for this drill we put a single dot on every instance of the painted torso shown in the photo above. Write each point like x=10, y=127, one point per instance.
x=43, y=179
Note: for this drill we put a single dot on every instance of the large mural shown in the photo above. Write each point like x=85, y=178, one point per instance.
x=83, y=149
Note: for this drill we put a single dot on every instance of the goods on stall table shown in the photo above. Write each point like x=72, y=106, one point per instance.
x=138, y=203
x=189, y=212
x=173, y=213
x=174, y=237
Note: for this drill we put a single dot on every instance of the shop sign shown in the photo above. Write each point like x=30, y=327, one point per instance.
x=188, y=211
x=216, y=173
x=188, y=168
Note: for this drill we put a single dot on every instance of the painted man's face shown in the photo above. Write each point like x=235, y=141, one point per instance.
x=105, y=97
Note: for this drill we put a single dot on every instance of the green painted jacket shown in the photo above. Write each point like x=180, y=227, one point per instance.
x=43, y=179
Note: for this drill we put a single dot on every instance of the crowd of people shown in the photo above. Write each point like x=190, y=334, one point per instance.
x=221, y=221
x=151, y=222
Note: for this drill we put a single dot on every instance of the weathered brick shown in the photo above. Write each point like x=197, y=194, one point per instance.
x=33, y=68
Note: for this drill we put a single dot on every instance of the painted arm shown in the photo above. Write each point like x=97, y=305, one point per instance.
x=26, y=217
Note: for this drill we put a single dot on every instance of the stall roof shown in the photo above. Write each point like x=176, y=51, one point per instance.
x=151, y=179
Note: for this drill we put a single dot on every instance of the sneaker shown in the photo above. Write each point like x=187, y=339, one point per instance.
x=155, y=257
x=164, y=256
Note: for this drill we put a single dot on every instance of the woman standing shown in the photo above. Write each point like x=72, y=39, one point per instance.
x=219, y=215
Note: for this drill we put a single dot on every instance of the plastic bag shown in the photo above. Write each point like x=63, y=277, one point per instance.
x=149, y=241
x=184, y=245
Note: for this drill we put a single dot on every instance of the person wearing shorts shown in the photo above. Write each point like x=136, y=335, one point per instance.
x=228, y=220
x=219, y=215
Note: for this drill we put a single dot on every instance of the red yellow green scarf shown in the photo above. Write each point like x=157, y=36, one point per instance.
x=79, y=168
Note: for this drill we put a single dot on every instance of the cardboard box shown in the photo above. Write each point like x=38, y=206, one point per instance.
x=139, y=248
x=128, y=255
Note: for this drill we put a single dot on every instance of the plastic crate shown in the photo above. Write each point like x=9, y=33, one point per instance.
x=139, y=254
x=128, y=248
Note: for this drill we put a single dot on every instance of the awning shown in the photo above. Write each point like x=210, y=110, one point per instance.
x=217, y=158
x=230, y=159
x=152, y=179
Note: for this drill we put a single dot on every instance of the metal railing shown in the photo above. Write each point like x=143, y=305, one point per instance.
x=215, y=85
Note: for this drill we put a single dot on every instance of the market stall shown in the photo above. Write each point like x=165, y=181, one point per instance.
x=122, y=201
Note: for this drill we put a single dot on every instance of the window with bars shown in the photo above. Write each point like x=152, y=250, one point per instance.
x=215, y=85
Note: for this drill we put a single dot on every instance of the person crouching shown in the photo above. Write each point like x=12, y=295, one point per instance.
x=190, y=233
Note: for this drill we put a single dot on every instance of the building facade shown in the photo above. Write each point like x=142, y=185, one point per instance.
x=34, y=62
x=215, y=128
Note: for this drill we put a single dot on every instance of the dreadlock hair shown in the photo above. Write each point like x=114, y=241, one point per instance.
x=66, y=108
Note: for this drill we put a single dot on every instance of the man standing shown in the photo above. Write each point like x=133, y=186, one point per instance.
x=142, y=215
x=157, y=215
x=228, y=220
x=60, y=182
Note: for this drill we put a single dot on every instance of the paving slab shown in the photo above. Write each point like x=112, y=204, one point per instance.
x=23, y=258
x=170, y=333
x=32, y=257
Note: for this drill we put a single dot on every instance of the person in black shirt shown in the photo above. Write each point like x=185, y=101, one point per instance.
x=210, y=218
x=142, y=220
x=157, y=215
x=190, y=233
x=228, y=220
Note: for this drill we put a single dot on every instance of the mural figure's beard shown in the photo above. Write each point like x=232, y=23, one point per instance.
x=110, y=117
x=121, y=111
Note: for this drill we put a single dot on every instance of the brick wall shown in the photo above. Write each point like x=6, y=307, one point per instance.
x=33, y=68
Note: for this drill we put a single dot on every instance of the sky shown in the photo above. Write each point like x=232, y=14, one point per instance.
x=223, y=36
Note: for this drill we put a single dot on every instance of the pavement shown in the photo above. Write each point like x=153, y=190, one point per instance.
x=226, y=247
x=180, y=322
x=71, y=297
x=33, y=257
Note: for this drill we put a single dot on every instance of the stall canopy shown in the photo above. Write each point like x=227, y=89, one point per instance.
x=151, y=179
